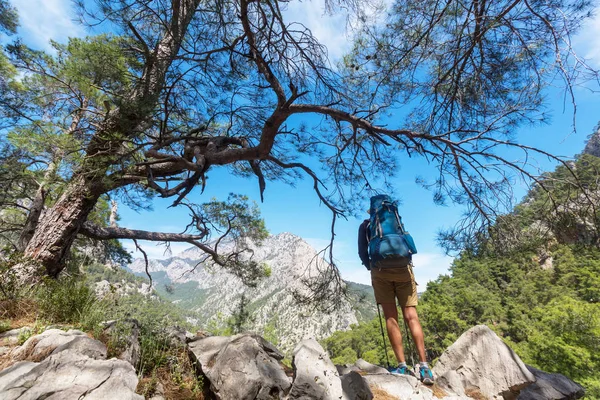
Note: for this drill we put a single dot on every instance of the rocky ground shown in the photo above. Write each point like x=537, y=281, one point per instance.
x=58, y=364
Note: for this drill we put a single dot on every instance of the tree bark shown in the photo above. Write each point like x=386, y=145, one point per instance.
x=57, y=230
x=36, y=208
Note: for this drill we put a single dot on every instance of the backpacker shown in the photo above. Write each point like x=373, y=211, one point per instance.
x=387, y=237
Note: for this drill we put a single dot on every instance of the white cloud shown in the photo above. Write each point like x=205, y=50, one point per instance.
x=428, y=266
x=356, y=273
x=155, y=251
x=330, y=30
x=42, y=20
x=587, y=42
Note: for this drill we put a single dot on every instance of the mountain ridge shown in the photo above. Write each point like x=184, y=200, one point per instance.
x=212, y=296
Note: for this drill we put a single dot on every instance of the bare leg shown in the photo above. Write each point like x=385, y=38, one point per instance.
x=391, y=323
x=412, y=320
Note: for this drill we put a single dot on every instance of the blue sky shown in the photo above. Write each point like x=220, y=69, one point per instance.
x=297, y=210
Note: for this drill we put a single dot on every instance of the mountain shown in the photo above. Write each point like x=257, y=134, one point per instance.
x=213, y=298
x=592, y=146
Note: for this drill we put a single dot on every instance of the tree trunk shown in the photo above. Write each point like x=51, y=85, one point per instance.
x=58, y=228
x=36, y=208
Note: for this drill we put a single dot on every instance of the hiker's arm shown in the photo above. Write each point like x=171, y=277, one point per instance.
x=363, y=251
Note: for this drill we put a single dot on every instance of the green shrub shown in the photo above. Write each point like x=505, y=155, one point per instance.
x=67, y=300
x=4, y=326
x=154, y=352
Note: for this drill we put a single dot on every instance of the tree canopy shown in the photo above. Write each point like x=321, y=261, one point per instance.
x=179, y=88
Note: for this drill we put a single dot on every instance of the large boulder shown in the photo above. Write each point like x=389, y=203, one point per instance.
x=370, y=368
x=479, y=362
x=315, y=376
x=394, y=386
x=551, y=387
x=69, y=375
x=241, y=367
x=53, y=341
x=355, y=387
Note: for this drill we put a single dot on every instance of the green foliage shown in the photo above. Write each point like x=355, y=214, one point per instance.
x=240, y=318
x=4, y=326
x=154, y=351
x=361, y=341
x=9, y=284
x=549, y=316
x=9, y=19
x=66, y=300
x=270, y=331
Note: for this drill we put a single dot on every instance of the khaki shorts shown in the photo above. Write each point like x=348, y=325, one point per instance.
x=390, y=284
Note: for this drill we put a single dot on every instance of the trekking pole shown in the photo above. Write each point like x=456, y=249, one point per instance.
x=383, y=337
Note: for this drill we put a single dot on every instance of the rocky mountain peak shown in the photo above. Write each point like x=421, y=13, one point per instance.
x=210, y=295
x=593, y=145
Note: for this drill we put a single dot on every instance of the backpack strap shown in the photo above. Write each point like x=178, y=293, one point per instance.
x=400, y=226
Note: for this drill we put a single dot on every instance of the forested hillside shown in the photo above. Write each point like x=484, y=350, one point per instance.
x=534, y=279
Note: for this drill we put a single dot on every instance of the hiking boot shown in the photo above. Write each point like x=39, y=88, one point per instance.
x=426, y=375
x=401, y=370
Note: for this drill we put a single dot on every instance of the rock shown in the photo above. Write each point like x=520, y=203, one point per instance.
x=179, y=336
x=397, y=386
x=346, y=369
x=551, y=387
x=103, y=288
x=480, y=360
x=69, y=375
x=18, y=369
x=592, y=147
x=370, y=368
x=355, y=387
x=86, y=346
x=159, y=392
x=241, y=367
x=315, y=375
x=12, y=336
x=127, y=331
x=39, y=346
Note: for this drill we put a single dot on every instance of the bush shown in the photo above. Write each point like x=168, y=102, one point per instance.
x=4, y=326
x=67, y=300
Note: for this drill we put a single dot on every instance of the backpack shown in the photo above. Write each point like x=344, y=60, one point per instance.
x=386, y=234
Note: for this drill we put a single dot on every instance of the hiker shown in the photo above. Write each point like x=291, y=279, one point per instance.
x=392, y=278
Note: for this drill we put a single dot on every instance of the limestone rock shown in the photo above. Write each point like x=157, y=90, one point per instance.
x=159, y=392
x=179, y=336
x=551, y=387
x=370, y=368
x=480, y=360
x=86, y=346
x=8, y=375
x=346, y=369
x=69, y=376
x=315, y=375
x=396, y=386
x=355, y=387
x=593, y=145
x=241, y=367
x=12, y=336
x=39, y=346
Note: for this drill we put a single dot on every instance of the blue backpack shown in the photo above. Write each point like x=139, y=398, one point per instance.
x=387, y=237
